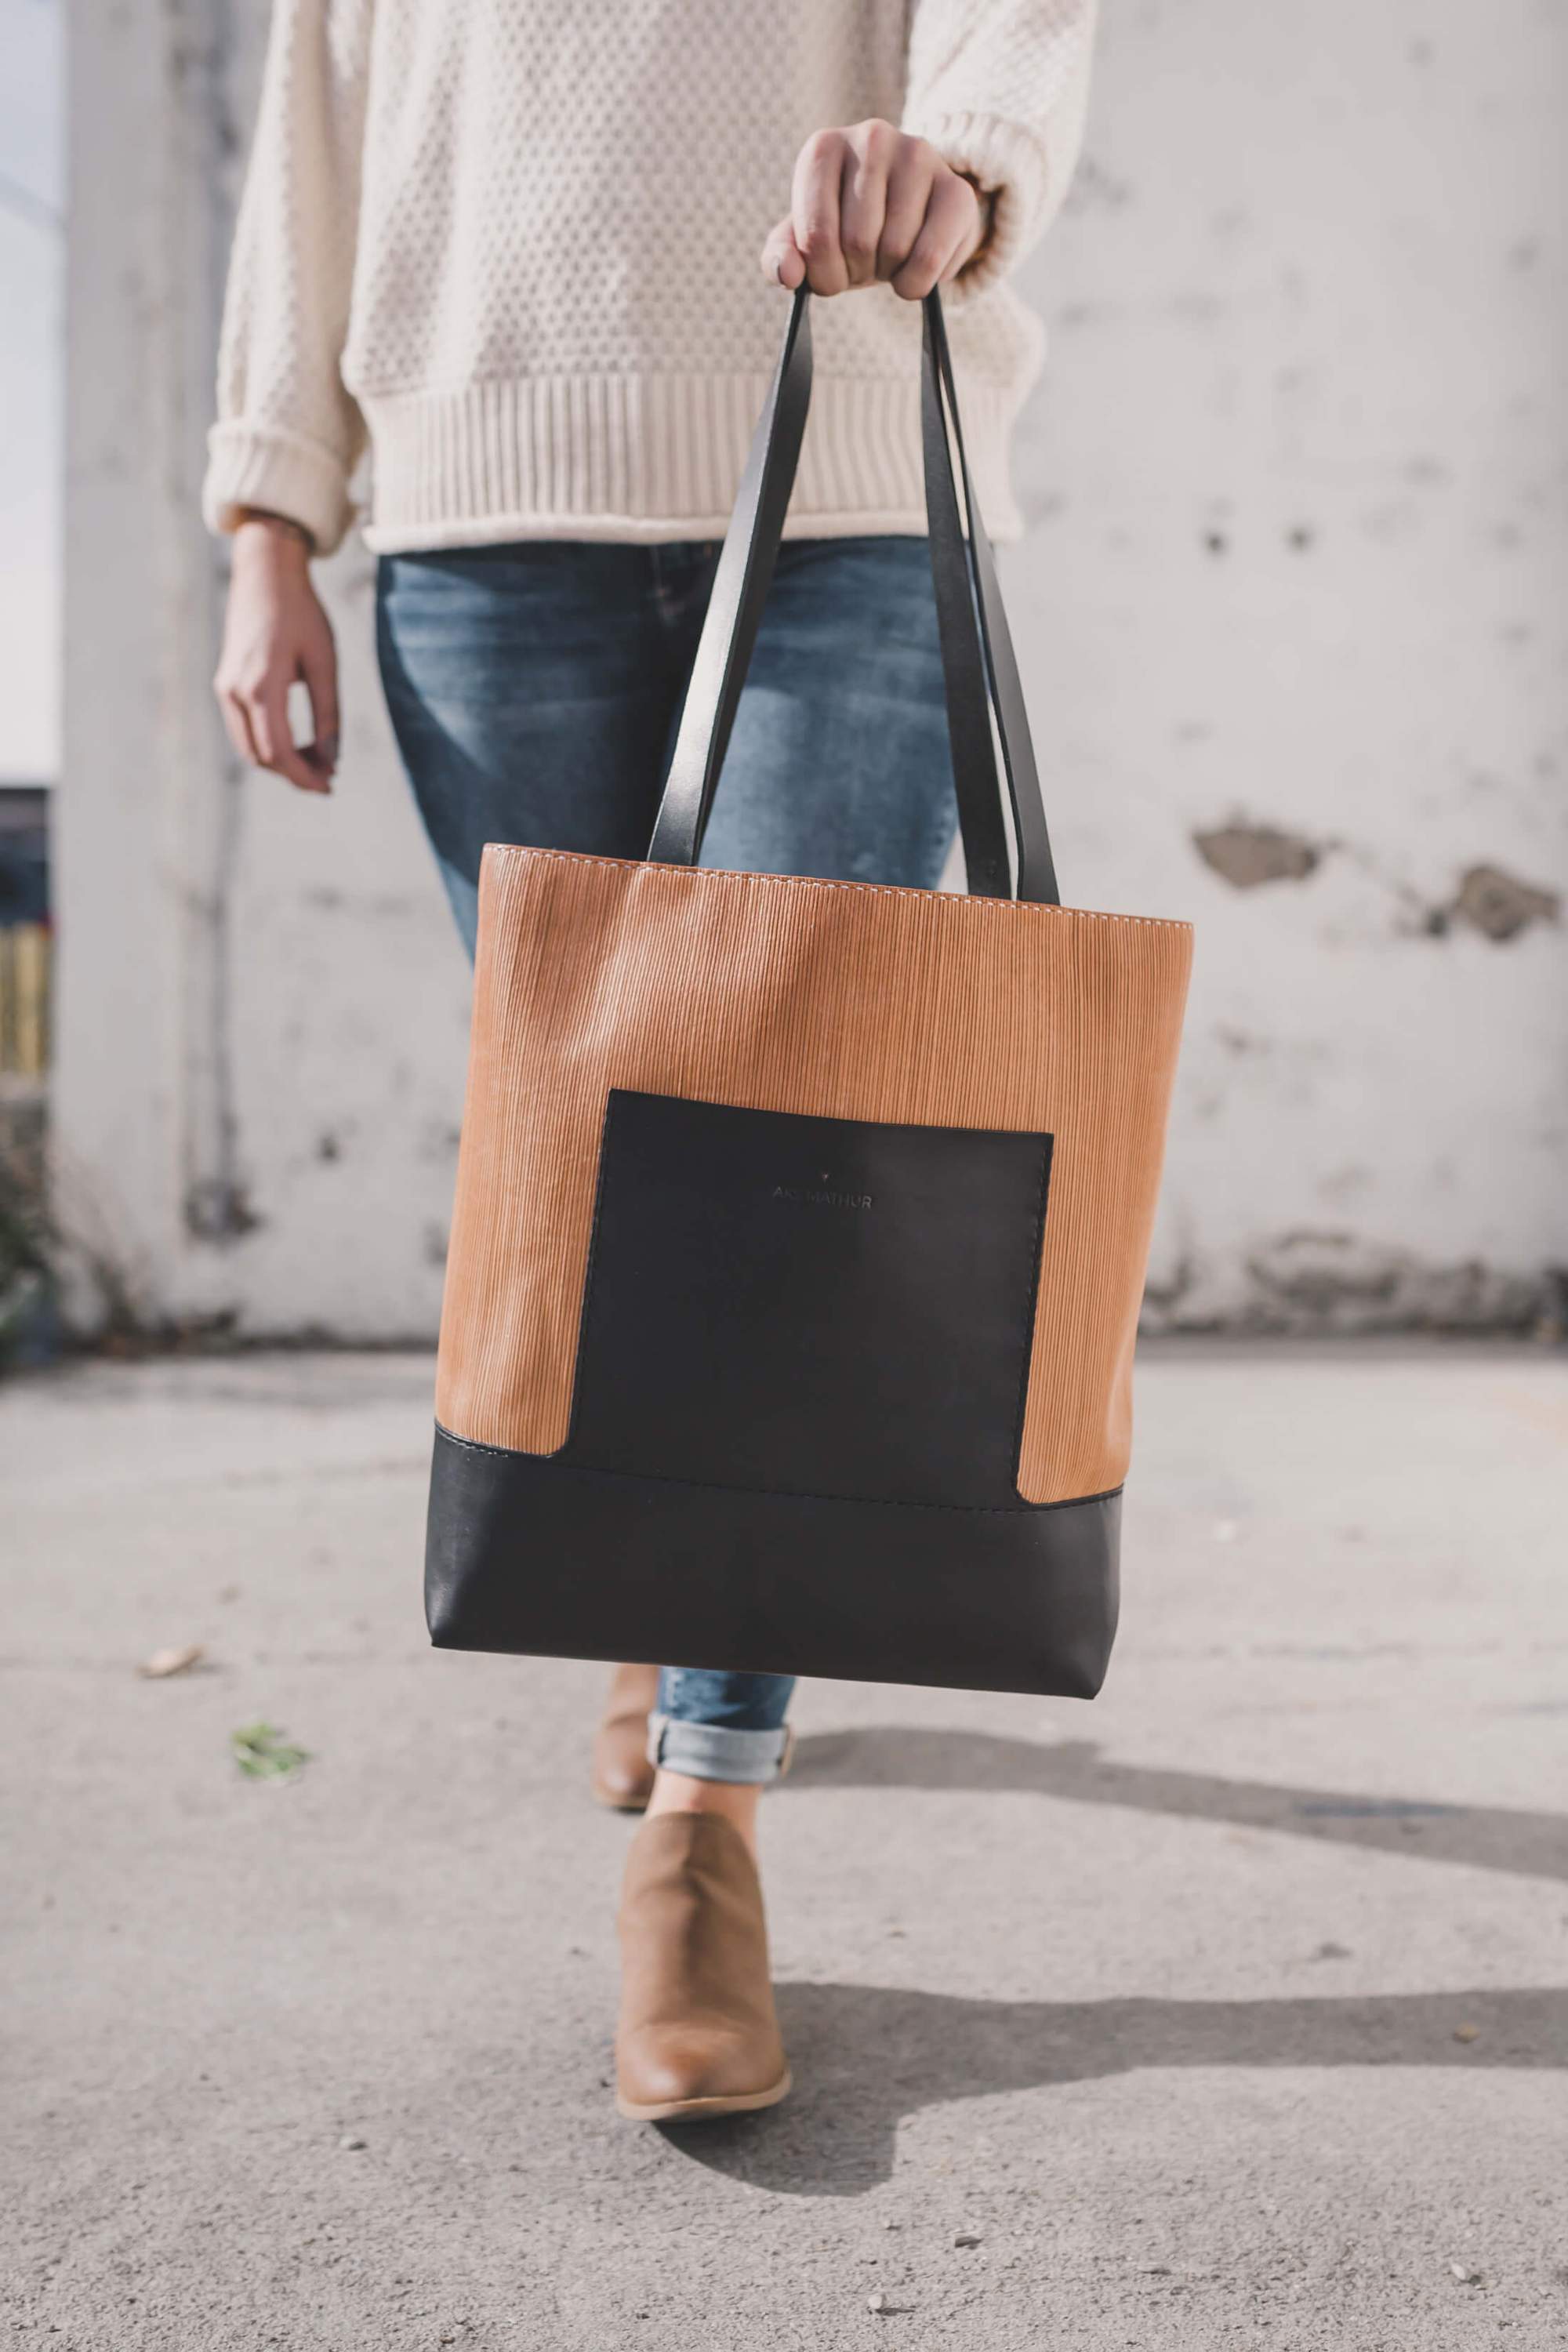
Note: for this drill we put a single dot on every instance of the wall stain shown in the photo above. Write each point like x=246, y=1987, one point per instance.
x=1428, y=472
x=393, y=905
x=1241, y=1041
x=1500, y=907
x=1331, y=1281
x=1328, y=1281
x=1346, y=1183
x=1083, y=314
x=219, y=1211
x=1497, y=904
x=1245, y=856
x=1165, y=1297
x=1094, y=187
x=439, y=1141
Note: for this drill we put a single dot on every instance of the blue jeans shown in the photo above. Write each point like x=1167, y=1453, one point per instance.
x=534, y=691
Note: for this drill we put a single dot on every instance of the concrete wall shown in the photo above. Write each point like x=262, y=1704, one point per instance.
x=263, y=1012
x=1291, y=613
x=1297, y=604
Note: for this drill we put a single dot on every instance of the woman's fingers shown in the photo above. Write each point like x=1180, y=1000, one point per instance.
x=782, y=260
x=275, y=737
x=815, y=210
x=947, y=236
x=236, y=726
x=872, y=155
x=873, y=204
x=910, y=185
x=319, y=666
x=274, y=636
x=264, y=708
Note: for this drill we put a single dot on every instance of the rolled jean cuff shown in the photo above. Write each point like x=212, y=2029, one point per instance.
x=717, y=1752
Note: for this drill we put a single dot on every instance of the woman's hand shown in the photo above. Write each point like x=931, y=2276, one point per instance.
x=871, y=205
x=275, y=632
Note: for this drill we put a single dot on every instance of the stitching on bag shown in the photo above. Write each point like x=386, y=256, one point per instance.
x=814, y=882
x=1019, y=1510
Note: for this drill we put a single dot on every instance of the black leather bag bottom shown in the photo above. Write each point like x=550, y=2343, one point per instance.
x=536, y=1554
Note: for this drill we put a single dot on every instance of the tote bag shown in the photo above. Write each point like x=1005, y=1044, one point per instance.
x=801, y=1225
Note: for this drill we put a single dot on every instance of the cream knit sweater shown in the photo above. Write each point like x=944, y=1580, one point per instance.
x=513, y=244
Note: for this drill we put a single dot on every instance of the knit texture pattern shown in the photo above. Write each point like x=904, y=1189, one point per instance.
x=515, y=249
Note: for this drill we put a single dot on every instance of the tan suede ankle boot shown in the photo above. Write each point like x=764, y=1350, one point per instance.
x=621, y=1776
x=698, y=2036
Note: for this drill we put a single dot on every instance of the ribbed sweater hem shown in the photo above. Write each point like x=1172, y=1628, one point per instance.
x=652, y=459
x=638, y=530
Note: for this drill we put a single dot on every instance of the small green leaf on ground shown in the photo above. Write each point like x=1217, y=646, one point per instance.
x=261, y=1751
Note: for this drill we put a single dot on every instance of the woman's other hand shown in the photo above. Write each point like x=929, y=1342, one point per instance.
x=871, y=205
x=275, y=633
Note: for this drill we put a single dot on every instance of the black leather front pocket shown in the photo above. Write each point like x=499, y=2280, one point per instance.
x=814, y=1306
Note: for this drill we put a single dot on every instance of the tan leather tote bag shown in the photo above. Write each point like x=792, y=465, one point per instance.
x=801, y=1225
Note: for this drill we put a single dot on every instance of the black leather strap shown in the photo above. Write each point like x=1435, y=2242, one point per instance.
x=1003, y=688
x=735, y=607
x=987, y=865
x=978, y=662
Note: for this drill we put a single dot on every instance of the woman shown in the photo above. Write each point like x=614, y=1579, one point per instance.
x=511, y=248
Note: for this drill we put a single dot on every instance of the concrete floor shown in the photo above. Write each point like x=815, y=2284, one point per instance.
x=1233, y=2011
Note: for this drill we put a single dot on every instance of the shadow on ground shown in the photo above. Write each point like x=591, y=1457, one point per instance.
x=868, y=2055
x=1485, y=1837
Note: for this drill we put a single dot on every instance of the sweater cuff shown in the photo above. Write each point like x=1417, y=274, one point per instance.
x=1005, y=159
x=282, y=473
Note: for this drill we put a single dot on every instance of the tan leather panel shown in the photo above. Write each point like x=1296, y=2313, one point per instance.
x=844, y=999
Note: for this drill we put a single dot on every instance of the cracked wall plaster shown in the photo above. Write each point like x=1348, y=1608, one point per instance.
x=1247, y=855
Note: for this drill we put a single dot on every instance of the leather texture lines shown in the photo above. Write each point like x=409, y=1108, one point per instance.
x=826, y=1000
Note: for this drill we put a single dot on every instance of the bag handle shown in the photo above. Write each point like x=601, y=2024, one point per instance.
x=979, y=668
